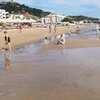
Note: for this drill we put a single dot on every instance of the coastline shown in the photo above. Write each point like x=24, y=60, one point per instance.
x=52, y=72
x=28, y=36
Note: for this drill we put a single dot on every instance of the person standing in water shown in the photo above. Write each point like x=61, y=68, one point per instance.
x=7, y=45
x=97, y=29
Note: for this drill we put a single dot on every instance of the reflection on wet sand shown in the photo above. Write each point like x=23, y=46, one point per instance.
x=61, y=49
x=52, y=72
x=47, y=48
x=7, y=56
x=50, y=43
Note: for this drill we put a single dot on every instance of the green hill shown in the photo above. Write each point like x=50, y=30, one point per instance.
x=19, y=8
x=80, y=18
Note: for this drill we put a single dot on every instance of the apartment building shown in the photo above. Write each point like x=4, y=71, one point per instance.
x=4, y=14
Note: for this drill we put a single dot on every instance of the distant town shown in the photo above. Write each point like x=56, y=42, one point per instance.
x=13, y=12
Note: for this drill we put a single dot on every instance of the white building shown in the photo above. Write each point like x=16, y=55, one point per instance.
x=46, y=20
x=4, y=14
x=17, y=16
x=81, y=22
x=53, y=18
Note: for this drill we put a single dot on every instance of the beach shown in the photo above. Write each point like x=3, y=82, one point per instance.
x=38, y=71
x=28, y=36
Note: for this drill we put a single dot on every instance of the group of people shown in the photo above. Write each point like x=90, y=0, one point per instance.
x=61, y=40
x=7, y=45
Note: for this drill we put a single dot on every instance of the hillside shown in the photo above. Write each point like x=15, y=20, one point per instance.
x=80, y=18
x=18, y=8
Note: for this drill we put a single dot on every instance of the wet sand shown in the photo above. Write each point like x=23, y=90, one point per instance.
x=52, y=72
x=75, y=41
x=54, y=75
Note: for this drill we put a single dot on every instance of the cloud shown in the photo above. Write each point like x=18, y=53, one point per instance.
x=50, y=3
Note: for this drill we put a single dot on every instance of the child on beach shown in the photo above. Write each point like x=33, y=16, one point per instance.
x=69, y=32
x=7, y=45
x=46, y=40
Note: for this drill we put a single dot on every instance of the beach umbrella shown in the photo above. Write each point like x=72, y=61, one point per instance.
x=3, y=20
x=28, y=20
x=24, y=21
x=9, y=20
x=32, y=21
x=18, y=21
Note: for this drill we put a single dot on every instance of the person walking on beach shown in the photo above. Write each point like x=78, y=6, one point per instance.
x=69, y=33
x=97, y=29
x=7, y=45
x=50, y=28
x=20, y=28
x=55, y=28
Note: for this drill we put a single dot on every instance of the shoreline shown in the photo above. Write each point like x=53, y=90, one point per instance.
x=52, y=72
x=29, y=36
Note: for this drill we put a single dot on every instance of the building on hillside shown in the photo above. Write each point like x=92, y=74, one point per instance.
x=16, y=16
x=53, y=19
x=8, y=0
x=46, y=20
x=4, y=14
x=27, y=15
x=20, y=16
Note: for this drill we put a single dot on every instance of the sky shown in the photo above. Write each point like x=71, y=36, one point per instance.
x=68, y=7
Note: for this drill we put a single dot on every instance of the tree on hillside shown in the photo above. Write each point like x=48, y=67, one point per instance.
x=16, y=8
